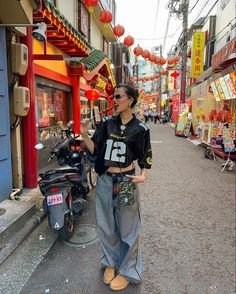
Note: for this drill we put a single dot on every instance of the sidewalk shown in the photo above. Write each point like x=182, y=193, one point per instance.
x=19, y=217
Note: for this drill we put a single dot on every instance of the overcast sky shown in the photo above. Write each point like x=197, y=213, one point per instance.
x=148, y=26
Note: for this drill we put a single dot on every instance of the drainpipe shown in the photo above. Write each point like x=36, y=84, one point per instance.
x=76, y=103
x=29, y=122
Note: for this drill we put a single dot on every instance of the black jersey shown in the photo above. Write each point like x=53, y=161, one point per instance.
x=117, y=145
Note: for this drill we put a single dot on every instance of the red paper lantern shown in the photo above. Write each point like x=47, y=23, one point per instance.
x=128, y=41
x=146, y=78
x=176, y=58
x=152, y=57
x=162, y=61
x=118, y=31
x=91, y=4
x=152, y=78
x=92, y=94
x=105, y=17
x=162, y=72
x=157, y=76
x=138, y=50
x=145, y=54
x=170, y=61
x=157, y=60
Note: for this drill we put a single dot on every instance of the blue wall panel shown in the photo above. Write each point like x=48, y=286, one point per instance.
x=5, y=147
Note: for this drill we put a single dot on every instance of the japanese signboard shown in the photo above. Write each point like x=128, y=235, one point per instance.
x=230, y=80
x=171, y=81
x=224, y=88
x=197, y=54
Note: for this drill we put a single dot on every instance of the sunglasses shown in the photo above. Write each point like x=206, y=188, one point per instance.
x=117, y=96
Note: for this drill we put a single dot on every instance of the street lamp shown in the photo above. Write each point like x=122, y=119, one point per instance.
x=39, y=33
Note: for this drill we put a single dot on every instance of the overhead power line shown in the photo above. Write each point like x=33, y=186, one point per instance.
x=193, y=6
x=201, y=11
x=155, y=26
x=166, y=32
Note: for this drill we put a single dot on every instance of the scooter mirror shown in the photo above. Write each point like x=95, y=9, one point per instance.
x=70, y=124
x=39, y=146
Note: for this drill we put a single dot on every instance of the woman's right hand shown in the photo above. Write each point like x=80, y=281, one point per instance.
x=84, y=127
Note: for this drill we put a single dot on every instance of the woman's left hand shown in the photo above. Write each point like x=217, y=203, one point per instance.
x=136, y=179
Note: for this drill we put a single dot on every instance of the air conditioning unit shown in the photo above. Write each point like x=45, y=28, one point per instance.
x=21, y=101
x=19, y=55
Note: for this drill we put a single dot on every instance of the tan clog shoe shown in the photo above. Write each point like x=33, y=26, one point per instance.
x=109, y=275
x=119, y=283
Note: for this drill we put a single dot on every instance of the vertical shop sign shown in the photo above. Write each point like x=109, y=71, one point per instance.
x=171, y=81
x=197, y=54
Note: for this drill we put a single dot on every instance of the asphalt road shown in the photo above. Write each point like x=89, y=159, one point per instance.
x=188, y=232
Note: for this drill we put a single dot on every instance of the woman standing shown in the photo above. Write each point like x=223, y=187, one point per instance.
x=117, y=143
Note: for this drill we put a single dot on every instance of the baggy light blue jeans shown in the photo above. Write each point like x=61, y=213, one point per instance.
x=118, y=230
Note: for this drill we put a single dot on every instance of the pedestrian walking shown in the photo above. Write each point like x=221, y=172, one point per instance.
x=117, y=197
x=155, y=116
x=150, y=115
x=146, y=115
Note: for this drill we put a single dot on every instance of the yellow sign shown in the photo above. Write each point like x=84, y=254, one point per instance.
x=198, y=54
x=101, y=84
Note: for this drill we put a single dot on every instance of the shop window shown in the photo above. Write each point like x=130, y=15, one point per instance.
x=53, y=108
x=83, y=20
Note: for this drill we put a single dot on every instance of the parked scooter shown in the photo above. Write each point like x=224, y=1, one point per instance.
x=64, y=188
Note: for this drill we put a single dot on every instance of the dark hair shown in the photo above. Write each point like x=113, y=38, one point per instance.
x=130, y=92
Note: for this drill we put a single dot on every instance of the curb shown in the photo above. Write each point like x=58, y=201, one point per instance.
x=20, y=236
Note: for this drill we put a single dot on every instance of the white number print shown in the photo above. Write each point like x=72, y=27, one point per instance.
x=115, y=151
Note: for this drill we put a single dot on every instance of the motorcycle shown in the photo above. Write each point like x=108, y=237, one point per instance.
x=65, y=188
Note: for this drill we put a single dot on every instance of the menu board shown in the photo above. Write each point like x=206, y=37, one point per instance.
x=220, y=91
x=231, y=84
x=215, y=91
x=225, y=88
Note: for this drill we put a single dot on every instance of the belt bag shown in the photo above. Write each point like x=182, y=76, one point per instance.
x=126, y=193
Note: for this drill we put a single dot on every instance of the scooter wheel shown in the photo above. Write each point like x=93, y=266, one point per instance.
x=66, y=232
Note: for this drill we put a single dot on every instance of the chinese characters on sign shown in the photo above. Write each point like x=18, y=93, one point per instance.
x=198, y=54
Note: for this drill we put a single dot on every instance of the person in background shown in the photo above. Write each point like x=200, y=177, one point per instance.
x=154, y=115
x=150, y=115
x=115, y=146
x=146, y=115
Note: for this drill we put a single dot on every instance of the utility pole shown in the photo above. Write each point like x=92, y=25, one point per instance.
x=182, y=12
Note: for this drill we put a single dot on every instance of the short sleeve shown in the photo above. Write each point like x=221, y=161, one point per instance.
x=144, y=150
x=99, y=136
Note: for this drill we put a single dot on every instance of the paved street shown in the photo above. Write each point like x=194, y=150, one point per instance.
x=188, y=233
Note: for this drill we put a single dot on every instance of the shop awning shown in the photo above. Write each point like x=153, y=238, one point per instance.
x=96, y=63
x=60, y=31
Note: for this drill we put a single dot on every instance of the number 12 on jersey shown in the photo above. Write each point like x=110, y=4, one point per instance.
x=115, y=151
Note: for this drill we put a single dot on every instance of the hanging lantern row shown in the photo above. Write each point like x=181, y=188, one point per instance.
x=174, y=60
x=151, y=78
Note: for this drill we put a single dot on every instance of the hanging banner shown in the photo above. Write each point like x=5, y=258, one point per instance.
x=197, y=54
x=171, y=81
